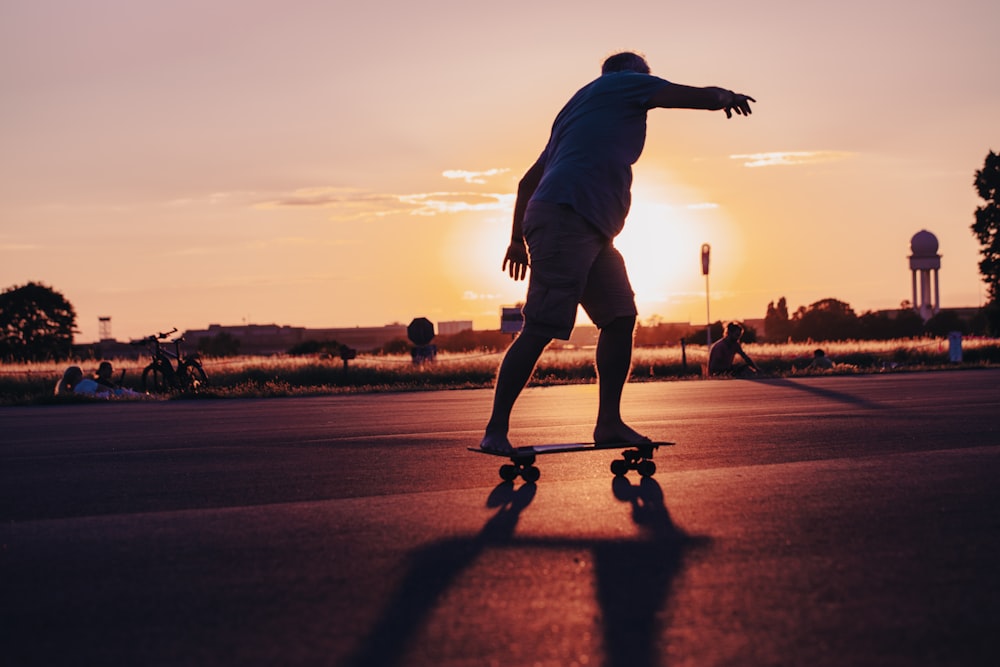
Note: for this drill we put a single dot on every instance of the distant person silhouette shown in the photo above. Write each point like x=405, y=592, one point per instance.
x=820, y=360
x=571, y=203
x=721, y=359
x=104, y=375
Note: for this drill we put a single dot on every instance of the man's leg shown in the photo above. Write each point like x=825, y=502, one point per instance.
x=515, y=371
x=614, y=361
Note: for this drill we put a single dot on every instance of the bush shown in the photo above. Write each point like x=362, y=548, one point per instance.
x=310, y=347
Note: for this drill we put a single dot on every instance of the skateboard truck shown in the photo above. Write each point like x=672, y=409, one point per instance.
x=520, y=466
x=638, y=457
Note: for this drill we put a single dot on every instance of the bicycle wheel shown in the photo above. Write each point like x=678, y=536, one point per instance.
x=193, y=375
x=154, y=380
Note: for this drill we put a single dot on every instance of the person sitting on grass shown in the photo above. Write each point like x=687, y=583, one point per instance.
x=104, y=376
x=820, y=361
x=723, y=354
x=73, y=382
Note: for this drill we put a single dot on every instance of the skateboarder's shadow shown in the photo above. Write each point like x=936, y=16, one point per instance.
x=431, y=570
x=633, y=576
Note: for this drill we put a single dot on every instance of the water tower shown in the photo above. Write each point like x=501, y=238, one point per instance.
x=924, y=264
x=103, y=328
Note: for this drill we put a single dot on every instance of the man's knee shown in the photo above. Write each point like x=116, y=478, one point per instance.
x=623, y=323
x=531, y=341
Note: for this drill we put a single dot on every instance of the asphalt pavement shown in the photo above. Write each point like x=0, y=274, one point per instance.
x=803, y=521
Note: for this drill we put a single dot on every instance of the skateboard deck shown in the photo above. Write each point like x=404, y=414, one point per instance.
x=635, y=456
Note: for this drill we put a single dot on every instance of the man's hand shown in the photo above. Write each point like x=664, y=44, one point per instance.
x=739, y=103
x=515, y=262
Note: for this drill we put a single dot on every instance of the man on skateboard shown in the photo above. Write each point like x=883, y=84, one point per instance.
x=571, y=203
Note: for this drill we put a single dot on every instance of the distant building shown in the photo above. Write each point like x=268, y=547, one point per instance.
x=511, y=319
x=457, y=326
x=275, y=339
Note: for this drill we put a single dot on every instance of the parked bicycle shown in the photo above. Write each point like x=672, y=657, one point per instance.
x=170, y=370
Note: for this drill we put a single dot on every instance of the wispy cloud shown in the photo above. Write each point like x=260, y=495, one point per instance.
x=790, y=158
x=476, y=177
x=326, y=197
x=349, y=203
x=433, y=203
x=470, y=295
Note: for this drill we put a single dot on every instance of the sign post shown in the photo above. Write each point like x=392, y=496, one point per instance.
x=705, y=250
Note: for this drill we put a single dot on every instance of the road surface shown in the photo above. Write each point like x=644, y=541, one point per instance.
x=810, y=521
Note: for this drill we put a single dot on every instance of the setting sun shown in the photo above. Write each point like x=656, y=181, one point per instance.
x=662, y=243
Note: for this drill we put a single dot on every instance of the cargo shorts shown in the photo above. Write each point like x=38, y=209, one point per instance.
x=572, y=263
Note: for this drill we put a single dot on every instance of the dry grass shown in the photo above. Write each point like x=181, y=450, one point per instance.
x=259, y=376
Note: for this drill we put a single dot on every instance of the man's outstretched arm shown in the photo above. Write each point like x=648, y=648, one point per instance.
x=711, y=98
x=515, y=262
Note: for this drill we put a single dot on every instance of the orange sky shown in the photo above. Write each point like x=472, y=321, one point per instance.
x=321, y=164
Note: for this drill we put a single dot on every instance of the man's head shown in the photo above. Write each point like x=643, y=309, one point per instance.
x=625, y=61
x=734, y=331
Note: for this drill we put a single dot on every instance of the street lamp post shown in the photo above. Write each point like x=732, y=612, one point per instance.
x=705, y=250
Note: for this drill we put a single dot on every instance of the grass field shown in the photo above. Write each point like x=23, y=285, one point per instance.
x=240, y=377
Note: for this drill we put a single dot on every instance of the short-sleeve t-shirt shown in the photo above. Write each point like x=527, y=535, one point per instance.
x=595, y=140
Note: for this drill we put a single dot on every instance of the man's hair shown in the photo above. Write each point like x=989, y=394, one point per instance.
x=625, y=61
x=734, y=326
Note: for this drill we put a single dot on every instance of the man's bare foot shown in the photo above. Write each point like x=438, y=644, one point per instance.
x=616, y=433
x=496, y=443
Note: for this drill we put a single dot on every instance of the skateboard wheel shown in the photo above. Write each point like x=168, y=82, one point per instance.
x=646, y=468
x=619, y=467
x=508, y=472
x=531, y=474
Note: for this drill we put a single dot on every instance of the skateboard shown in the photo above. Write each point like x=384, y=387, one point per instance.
x=638, y=457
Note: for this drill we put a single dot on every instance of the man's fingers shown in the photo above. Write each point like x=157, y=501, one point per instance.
x=515, y=269
x=741, y=105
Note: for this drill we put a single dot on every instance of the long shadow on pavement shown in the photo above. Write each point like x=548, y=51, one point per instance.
x=633, y=575
x=821, y=392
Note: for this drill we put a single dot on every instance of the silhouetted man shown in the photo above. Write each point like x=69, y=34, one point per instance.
x=570, y=205
x=721, y=360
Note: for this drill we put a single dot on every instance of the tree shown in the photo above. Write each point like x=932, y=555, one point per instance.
x=776, y=324
x=883, y=325
x=36, y=324
x=944, y=323
x=305, y=348
x=987, y=231
x=827, y=319
x=987, y=224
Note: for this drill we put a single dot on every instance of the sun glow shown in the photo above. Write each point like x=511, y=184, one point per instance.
x=661, y=244
x=655, y=244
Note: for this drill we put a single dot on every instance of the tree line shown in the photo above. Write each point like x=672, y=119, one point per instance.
x=824, y=320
